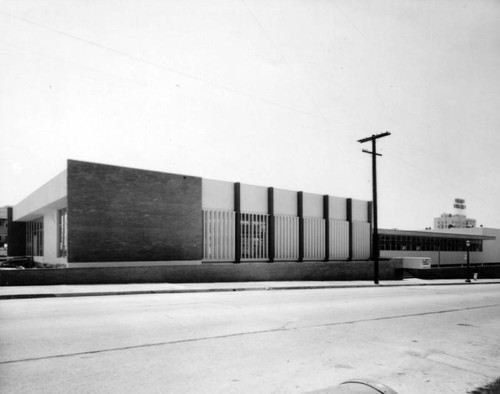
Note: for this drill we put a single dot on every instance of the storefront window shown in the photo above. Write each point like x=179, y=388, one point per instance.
x=34, y=237
x=62, y=233
x=414, y=243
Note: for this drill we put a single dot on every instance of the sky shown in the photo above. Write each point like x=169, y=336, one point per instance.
x=263, y=92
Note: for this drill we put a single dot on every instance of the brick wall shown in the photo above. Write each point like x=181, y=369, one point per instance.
x=205, y=273
x=124, y=214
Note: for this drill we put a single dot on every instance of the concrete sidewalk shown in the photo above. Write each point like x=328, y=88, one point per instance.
x=17, y=292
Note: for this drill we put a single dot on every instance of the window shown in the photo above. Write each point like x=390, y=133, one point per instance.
x=62, y=232
x=415, y=243
x=34, y=237
x=253, y=236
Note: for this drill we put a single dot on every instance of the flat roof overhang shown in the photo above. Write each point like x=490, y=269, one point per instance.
x=435, y=234
x=52, y=195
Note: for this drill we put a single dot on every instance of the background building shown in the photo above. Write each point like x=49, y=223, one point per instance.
x=448, y=220
x=491, y=244
x=455, y=220
x=446, y=245
x=445, y=248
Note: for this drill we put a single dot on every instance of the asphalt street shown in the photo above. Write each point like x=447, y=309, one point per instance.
x=427, y=339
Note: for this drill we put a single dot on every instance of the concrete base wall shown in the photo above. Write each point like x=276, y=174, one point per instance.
x=205, y=273
x=484, y=272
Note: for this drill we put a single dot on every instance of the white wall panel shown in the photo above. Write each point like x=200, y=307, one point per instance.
x=285, y=202
x=312, y=205
x=217, y=195
x=314, y=239
x=218, y=235
x=359, y=210
x=253, y=199
x=339, y=240
x=361, y=240
x=437, y=258
x=286, y=236
x=338, y=208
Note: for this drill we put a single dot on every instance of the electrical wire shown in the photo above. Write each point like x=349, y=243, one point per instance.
x=158, y=65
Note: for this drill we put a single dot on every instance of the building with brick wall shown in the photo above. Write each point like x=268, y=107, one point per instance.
x=113, y=224
x=95, y=215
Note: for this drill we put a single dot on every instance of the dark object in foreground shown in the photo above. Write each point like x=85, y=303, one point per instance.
x=357, y=386
x=18, y=262
x=490, y=388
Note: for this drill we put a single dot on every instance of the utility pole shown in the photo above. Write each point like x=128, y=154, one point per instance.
x=375, y=243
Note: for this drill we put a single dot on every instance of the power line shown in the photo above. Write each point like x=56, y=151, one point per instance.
x=158, y=65
x=284, y=60
x=12, y=47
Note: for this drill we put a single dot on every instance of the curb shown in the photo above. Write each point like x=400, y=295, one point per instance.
x=222, y=290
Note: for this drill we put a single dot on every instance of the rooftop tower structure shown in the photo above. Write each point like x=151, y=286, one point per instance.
x=456, y=220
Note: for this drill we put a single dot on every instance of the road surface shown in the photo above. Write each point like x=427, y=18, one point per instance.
x=428, y=339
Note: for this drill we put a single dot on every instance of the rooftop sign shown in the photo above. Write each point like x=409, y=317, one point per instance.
x=459, y=203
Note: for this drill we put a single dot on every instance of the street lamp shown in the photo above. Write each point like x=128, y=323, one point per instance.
x=467, y=244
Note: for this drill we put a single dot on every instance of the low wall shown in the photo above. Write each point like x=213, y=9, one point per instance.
x=205, y=273
x=484, y=272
